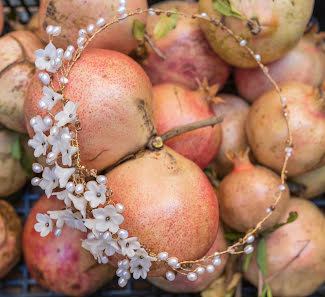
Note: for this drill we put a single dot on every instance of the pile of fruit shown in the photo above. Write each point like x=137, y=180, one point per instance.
x=204, y=187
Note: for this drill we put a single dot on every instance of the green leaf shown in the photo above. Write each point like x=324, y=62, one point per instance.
x=262, y=256
x=165, y=25
x=292, y=217
x=139, y=30
x=234, y=235
x=16, y=148
x=268, y=290
x=264, y=292
x=247, y=261
x=226, y=8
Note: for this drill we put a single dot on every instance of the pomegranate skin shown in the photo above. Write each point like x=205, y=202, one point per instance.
x=16, y=71
x=77, y=14
x=169, y=205
x=60, y=263
x=282, y=25
x=250, y=190
x=234, y=140
x=177, y=106
x=295, y=253
x=182, y=285
x=188, y=54
x=306, y=120
x=305, y=63
x=115, y=106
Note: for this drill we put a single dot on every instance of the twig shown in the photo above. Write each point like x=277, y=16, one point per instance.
x=153, y=46
x=260, y=283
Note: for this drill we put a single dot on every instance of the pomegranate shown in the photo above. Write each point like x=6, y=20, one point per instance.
x=16, y=70
x=234, y=111
x=10, y=238
x=250, y=189
x=161, y=207
x=270, y=27
x=115, y=107
x=77, y=14
x=182, y=285
x=187, y=52
x=295, y=253
x=306, y=110
x=60, y=263
x=176, y=106
x=305, y=63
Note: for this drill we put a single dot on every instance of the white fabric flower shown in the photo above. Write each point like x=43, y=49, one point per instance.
x=63, y=195
x=80, y=203
x=67, y=152
x=57, y=141
x=40, y=126
x=68, y=217
x=95, y=247
x=50, y=97
x=39, y=144
x=111, y=247
x=44, y=58
x=96, y=194
x=105, y=219
x=63, y=174
x=128, y=246
x=67, y=115
x=49, y=181
x=142, y=257
x=140, y=267
x=44, y=225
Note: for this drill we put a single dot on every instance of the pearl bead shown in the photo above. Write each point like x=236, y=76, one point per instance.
x=243, y=42
x=122, y=2
x=48, y=121
x=119, y=207
x=170, y=275
x=210, y=268
x=54, y=131
x=42, y=104
x=268, y=210
x=231, y=251
x=82, y=33
x=64, y=80
x=163, y=256
x=91, y=236
x=257, y=58
x=216, y=261
x=70, y=187
x=72, y=134
x=123, y=234
x=126, y=275
x=44, y=77
x=107, y=236
x=123, y=17
x=200, y=270
x=173, y=261
x=101, y=179
x=104, y=260
x=49, y=161
x=282, y=188
x=119, y=272
x=151, y=11
x=217, y=254
x=121, y=9
x=68, y=55
x=59, y=52
x=70, y=48
x=66, y=137
x=192, y=276
x=79, y=188
x=204, y=15
x=35, y=181
x=49, y=29
x=250, y=239
x=57, y=232
x=283, y=100
x=58, y=62
x=125, y=264
x=100, y=22
x=81, y=40
x=91, y=28
x=32, y=122
x=119, y=263
x=81, y=47
x=56, y=30
x=37, y=168
x=249, y=249
x=177, y=266
x=30, y=141
x=122, y=282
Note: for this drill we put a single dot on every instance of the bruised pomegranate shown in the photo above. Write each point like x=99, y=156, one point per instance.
x=295, y=253
x=16, y=71
x=270, y=27
x=176, y=106
x=10, y=238
x=169, y=205
x=74, y=15
x=182, y=285
x=234, y=111
x=60, y=263
x=267, y=131
x=115, y=106
x=305, y=63
x=246, y=193
x=187, y=52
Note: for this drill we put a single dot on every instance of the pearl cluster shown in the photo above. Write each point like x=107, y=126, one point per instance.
x=59, y=133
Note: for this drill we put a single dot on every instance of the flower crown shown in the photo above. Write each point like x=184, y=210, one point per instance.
x=84, y=191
